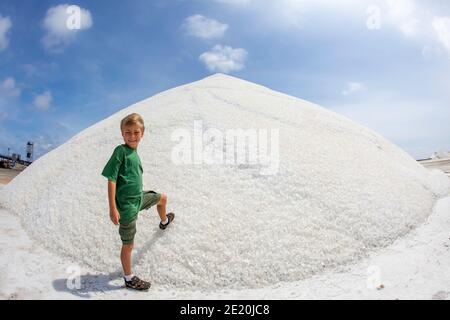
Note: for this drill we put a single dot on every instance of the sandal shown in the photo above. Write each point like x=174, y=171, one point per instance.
x=137, y=284
x=170, y=217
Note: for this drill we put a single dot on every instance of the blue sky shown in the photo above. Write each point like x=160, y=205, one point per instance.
x=382, y=63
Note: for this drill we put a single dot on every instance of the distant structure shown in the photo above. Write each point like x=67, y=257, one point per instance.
x=30, y=146
x=9, y=161
x=441, y=154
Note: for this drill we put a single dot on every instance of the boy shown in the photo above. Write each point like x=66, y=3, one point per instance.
x=125, y=195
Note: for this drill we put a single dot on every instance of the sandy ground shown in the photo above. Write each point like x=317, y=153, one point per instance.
x=414, y=267
x=6, y=175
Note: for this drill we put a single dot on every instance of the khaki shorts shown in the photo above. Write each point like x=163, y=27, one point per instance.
x=128, y=230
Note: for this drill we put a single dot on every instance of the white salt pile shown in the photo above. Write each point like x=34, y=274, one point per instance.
x=338, y=191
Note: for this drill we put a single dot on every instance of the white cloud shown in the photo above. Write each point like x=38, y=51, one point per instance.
x=441, y=26
x=8, y=91
x=51, y=135
x=353, y=87
x=8, y=88
x=41, y=70
x=402, y=14
x=202, y=27
x=29, y=69
x=5, y=25
x=418, y=21
x=43, y=101
x=43, y=144
x=62, y=23
x=47, y=140
x=405, y=15
x=224, y=59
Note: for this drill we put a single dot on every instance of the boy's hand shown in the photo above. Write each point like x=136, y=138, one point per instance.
x=114, y=215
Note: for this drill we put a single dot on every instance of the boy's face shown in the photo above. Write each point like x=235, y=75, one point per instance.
x=132, y=135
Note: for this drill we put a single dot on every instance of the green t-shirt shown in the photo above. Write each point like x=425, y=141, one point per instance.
x=125, y=169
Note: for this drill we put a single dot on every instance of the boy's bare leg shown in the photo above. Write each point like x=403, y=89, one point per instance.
x=125, y=257
x=161, y=207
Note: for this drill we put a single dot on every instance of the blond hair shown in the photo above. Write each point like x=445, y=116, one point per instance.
x=132, y=119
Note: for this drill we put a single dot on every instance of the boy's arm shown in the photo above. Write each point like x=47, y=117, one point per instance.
x=113, y=212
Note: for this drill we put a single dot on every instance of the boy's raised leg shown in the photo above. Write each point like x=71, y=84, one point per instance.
x=161, y=207
x=165, y=218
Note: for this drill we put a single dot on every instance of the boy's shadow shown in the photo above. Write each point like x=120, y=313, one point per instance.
x=146, y=247
x=100, y=283
x=88, y=284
